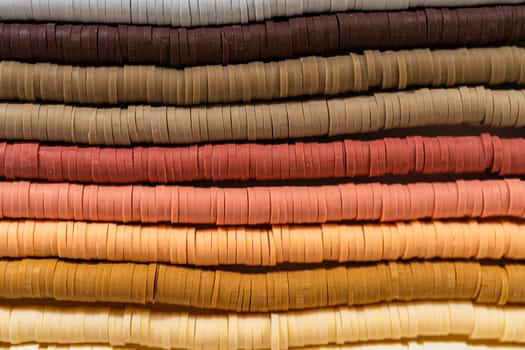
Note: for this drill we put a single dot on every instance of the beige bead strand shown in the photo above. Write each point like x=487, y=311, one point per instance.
x=387, y=345
x=274, y=120
x=138, y=326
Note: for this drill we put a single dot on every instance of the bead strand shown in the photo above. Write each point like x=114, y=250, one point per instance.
x=121, y=326
x=275, y=120
x=253, y=81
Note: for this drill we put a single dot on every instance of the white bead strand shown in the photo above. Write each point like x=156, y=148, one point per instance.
x=191, y=13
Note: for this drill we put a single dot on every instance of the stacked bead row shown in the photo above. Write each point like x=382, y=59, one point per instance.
x=261, y=292
x=263, y=205
x=292, y=37
x=263, y=246
x=439, y=155
x=168, y=330
x=298, y=119
x=261, y=81
x=186, y=13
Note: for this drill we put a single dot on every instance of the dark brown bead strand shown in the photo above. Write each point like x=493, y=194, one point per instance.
x=273, y=39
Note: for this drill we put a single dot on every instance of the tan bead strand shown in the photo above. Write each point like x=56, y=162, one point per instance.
x=274, y=120
x=148, y=84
